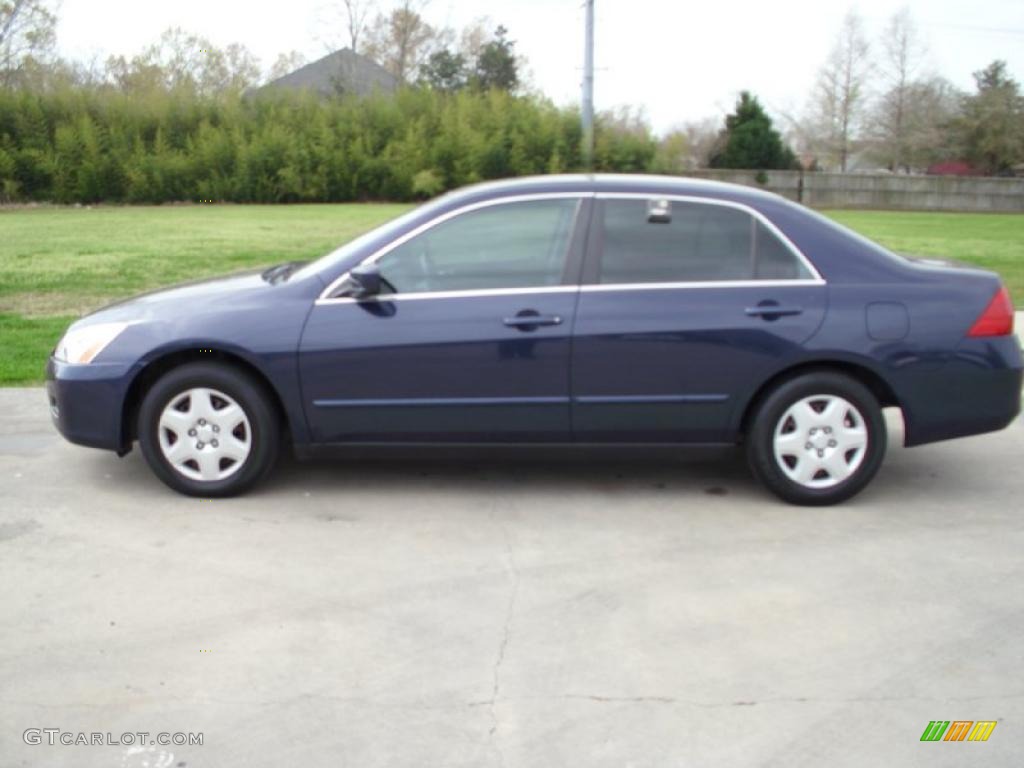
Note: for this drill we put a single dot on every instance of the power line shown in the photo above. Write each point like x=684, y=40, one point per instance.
x=974, y=28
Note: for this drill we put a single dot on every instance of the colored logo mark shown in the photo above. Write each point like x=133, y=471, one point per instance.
x=958, y=730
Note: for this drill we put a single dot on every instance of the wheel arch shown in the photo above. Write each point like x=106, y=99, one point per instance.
x=167, y=360
x=860, y=372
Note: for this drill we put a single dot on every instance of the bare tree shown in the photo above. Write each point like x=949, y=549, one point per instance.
x=474, y=37
x=343, y=23
x=402, y=40
x=285, y=64
x=932, y=104
x=27, y=30
x=701, y=139
x=356, y=12
x=840, y=94
x=182, y=59
x=903, y=53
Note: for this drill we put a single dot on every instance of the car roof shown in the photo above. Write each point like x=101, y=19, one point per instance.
x=611, y=183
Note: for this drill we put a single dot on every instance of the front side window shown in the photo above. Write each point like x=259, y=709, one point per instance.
x=509, y=245
x=679, y=242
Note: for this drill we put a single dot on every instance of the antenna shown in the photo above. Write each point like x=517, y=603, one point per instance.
x=588, y=90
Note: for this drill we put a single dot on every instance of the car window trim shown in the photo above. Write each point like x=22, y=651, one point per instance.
x=579, y=227
x=590, y=272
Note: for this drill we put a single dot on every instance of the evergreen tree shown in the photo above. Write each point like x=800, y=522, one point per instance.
x=750, y=142
x=444, y=71
x=496, y=66
x=990, y=129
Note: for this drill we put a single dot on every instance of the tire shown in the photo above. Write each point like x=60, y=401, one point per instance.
x=816, y=439
x=208, y=430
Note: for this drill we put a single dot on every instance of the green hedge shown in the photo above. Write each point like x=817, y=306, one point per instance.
x=89, y=145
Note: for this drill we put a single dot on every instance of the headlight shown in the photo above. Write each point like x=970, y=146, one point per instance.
x=81, y=345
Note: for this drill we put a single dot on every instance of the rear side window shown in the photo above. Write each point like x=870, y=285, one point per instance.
x=678, y=242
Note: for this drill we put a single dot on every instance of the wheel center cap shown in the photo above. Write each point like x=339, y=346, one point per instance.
x=819, y=441
x=204, y=433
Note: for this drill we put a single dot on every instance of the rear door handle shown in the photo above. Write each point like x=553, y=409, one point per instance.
x=528, y=322
x=772, y=311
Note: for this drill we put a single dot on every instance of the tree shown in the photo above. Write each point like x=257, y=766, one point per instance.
x=356, y=12
x=183, y=60
x=496, y=65
x=932, y=106
x=445, y=71
x=750, y=141
x=401, y=41
x=27, y=32
x=990, y=129
x=673, y=155
x=840, y=91
x=286, y=63
x=704, y=139
x=903, y=52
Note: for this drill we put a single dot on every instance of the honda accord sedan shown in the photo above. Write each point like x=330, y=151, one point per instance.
x=562, y=311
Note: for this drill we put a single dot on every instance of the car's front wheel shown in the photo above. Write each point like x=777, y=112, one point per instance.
x=817, y=439
x=208, y=430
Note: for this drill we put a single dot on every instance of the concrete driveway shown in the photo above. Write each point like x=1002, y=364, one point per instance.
x=639, y=614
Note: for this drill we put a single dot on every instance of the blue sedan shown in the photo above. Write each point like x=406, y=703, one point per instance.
x=563, y=311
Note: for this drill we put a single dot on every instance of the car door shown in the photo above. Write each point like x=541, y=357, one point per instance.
x=470, y=341
x=687, y=304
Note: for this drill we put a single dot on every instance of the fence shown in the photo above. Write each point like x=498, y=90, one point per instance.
x=883, y=191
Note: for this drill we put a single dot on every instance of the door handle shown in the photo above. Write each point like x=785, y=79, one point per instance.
x=771, y=311
x=528, y=322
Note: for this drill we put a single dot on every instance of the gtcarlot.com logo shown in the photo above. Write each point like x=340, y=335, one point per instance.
x=55, y=736
x=958, y=730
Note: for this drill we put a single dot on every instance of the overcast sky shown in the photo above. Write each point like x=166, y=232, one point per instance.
x=678, y=60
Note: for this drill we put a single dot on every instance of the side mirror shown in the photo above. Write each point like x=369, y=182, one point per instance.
x=362, y=282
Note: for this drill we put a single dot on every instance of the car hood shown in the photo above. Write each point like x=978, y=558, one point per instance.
x=172, y=302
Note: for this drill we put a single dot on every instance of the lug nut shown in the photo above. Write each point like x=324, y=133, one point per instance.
x=191, y=433
x=213, y=443
x=808, y=446
x=216, y=428
x=202, y=422
x=832, y=443
x=821, y=453
x=199, y=445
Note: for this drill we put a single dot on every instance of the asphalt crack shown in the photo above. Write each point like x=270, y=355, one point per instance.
x=512, y=569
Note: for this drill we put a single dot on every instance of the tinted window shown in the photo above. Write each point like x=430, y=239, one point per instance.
x=693, y=243
x=774, y=260
x=511, y=245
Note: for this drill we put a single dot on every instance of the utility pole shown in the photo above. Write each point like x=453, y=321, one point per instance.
x=588, y=90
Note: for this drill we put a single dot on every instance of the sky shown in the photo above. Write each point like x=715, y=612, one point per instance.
x=678, y=61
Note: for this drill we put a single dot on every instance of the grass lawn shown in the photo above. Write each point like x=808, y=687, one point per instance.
x=58, y=263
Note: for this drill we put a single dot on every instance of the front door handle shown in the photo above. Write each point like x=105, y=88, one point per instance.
x=772, y=311
x=528, y=320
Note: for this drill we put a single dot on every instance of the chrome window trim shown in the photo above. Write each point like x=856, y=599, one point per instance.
x=453, y=294
x=325, y=295
x=796, y=282
x=815, y=278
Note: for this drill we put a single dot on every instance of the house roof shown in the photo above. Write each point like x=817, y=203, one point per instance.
x=343, y=71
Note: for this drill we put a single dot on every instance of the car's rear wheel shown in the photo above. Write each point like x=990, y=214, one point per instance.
x=208, y=430
x=817, y=439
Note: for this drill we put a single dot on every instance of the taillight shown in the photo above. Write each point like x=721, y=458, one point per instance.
x=997, y=319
